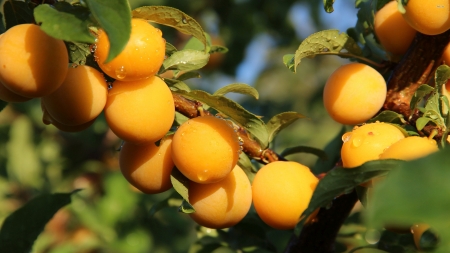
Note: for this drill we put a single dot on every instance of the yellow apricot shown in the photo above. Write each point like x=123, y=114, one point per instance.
x=394, y=34
x=142, y=56
x=367, y=142
x=410, y=148
x=9, y=96
x=354, y=93
x=147, y=167
x=140, y=111
x=282, y=190
x=32, y=64
x=429, y=17
x=205, y=149
x=80, y=98
x=222, y=204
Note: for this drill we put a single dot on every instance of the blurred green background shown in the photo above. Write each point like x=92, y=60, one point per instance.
x=109, y=215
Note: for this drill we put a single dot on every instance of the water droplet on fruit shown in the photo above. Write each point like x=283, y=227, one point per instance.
x=203, y=175
x=93, y=48
x=356, y=142
x=159, y=32
x=346, y=137
x=121, y=73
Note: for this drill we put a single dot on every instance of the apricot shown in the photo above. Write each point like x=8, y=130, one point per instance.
x=32, y=64
x=367, y=142
x=393, y=32
x=282, y=191
x=48, y=120
x=205, y=149
x=148, y=167
x=222, y=204
x=9, y=96
x=354, y=93
x=429, y=17
x=140, y=111
x=80, y=98
x=410, y=148
x=140, y=59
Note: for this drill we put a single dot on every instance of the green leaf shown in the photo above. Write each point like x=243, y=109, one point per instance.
x=417, y=192
x=304, y=149
x=235, y=111
x=195, y=44
x=22, y=227
x=185, y=207
x=63, y=25
x=186, y=60
x=246, y=165
x=389, y=117
x=401, y=6
x=114, y=16
x=170, y=49
x=420, y=93
x=327, y=42
x=341, y=180
x=188, y=75
x=328, y=5
x=217, y=49
x=441, y=76
x=281, y=121
x=241, y=88
x=175, y=84
x=181, y=185
x=172, y=17
x=17, y=12
x=78, y=52
x=289, y=61
x=333, y=152
x=382, y=3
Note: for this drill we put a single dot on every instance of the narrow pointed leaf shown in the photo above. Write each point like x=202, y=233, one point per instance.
x=185, y=207
x=186, y=60
x=180, y=183
x=241, y=88
x=114, y=16
x=281, y=121
x=188, y=75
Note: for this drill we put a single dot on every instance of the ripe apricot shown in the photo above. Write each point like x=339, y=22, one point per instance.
x=142, y=56
x=410, y=148
x=205, y=149
x=147, y=167
x=429, y=17
x=394, y=34
x=281, y=192
x=222, y=204
x=80, y=98
x=354, y=93
x=140, y=111
x=9, y=96
x=367, y=142
x=32, y=64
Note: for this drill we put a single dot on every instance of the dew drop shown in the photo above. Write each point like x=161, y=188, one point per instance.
x=356, y=142
x=184, y=21
x=121, y=73
x=203, y=175
x=346, y=137
x=159, y=32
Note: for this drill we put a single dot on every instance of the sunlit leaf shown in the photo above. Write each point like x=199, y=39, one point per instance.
x=217, y=49
x=328, y=5
x=422, y=122
x=17, y=12
x=281, y=121
x=174, y=18
x=235, y=111
x=78, y=52
x=420, y=93
x=415, y=193
x=22, y=227
x=185, y=207
x=188, y=75
x=63, y=25
x=186, y=60
x=240, y=88
x=246, y=165
x=114, y=16
x=341, y=181
x=175, y=84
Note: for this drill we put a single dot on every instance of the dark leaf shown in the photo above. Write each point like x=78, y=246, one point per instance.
x=333, y=152
x=280, y=122
x=16, y=13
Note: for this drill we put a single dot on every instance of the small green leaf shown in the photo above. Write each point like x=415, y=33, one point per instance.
x=401, y=6
x=420, y=93
x=78, y=52
x=180, y=183
x=441, y=76
x=240, y=88
x=63, y=25
x=333, y=152
x=16, y=13
x=175, y=84
x=304, y=149
x=289, y=61
x=217, y=49
x=327, y=42
x=246, y=164
x=195, y=44
x=3, y=104
x=341, y=180
x=185, y=207
x=114, y=16
x=172, y=17
x=188, y=75
x=389, y=117
x=281, y=121
x=328, y=5
x=186, y=60
x=235, y=111
x=170, y=49
x=22, y=227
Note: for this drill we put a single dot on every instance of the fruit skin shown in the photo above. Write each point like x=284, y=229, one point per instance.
x=142, y=56
x=48, y=120
x=32, y=64
x=148, y=167
x=9, y=96
x=80, y=98
x=429, y=17
x=222, y=204
x=393, y=32
x=410, y=148
x=140, y=111
x=367, y=142
x=354, y=93
x=281, y=192
x=205, y=149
